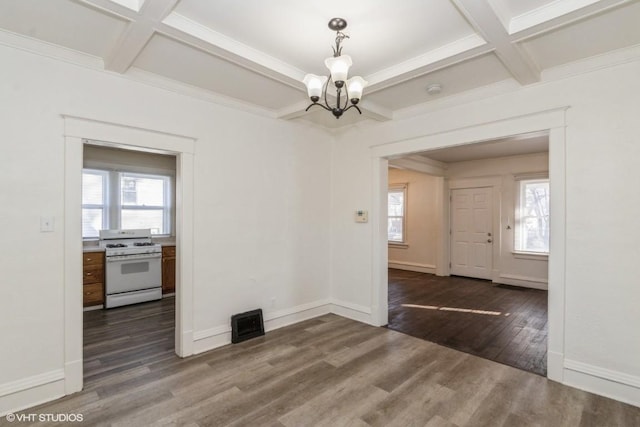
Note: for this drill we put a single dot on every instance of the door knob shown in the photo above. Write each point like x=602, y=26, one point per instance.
x=489, y=234
x=489, y=240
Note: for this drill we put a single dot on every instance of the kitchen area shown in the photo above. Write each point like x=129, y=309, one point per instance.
x=128, y=226
x=127, y=267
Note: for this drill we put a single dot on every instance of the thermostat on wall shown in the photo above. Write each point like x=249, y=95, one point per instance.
x=362, y=216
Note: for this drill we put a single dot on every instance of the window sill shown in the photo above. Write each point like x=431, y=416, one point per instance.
x=398, y=245
x=538, y=256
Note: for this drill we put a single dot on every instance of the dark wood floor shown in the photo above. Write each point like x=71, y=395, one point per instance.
x=501, y=323
x=327, y=371
x=123, y=338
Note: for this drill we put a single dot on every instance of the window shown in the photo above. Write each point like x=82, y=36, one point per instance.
x=397, y=199
x=143, y=201
x=94, y=202
x=125, y=200
x=532, y=216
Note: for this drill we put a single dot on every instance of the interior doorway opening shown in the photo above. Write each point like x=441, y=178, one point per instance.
x=551, y=122
x=128, y=279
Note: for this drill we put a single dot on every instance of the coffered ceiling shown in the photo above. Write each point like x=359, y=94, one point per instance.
x=253, y=54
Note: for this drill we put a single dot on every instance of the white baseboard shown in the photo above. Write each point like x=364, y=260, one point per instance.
x=523, y=281
x=605, y=382
x=221, y=335
x=31, y=391
x=413, y=266
x=351, y=311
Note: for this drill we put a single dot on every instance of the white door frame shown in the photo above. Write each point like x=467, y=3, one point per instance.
x=554, y=122
x=77, y=130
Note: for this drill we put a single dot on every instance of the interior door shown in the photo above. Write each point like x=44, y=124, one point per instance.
x=471, y=232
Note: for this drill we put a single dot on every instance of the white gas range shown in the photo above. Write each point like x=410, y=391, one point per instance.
x=133, y=267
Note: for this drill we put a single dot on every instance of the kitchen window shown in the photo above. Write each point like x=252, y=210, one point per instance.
x=125, y=200
x=397, y=204
x=532, y=216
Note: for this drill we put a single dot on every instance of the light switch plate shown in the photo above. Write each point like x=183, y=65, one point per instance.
x=362, y=216
x=47, y=224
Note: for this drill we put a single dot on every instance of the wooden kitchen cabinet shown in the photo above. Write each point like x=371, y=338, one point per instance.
x=92, y=278
x=168, y=269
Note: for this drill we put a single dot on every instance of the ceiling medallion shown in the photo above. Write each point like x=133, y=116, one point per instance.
x=338, y=66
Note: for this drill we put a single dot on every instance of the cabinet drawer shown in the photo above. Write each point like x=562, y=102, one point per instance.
x=168, y=251
x=92, y=294
x=92, y=258
x=92, y=275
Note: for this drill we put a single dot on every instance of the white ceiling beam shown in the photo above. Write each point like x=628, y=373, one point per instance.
x=197, y=35
x=419, y=164
x=486, y=22
x=138, y=34
x=445, y=56
x=112, y=8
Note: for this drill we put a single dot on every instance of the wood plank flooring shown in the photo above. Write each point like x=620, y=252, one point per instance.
x=327, y=371
x=507, y=325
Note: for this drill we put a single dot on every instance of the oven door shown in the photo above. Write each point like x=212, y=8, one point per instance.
x=133, y=273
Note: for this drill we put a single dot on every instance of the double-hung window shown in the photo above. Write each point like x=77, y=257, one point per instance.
x=397, y=206
x=532, y=216
x=144, y=202
x=125, y=200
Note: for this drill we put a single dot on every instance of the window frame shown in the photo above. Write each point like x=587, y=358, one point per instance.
x=519, y=232
x=106, y=211
x=166, y=208
x=112, y=198
x=397, y=188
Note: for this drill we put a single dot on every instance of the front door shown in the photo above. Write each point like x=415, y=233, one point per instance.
x=471, y=232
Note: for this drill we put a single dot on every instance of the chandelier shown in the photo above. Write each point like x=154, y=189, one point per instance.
x=338, y=67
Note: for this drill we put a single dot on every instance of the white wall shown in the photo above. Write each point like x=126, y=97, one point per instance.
x=602, y=340
x=508, y=268
x=422, y=222
x=261, y=207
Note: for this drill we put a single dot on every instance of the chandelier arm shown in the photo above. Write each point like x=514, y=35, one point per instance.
x=319, y=105
x=326, y=86
x=354, y=106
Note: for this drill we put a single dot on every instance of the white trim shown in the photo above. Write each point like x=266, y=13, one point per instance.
x=531, y=255
x=30, y=397
x=554, y=121
x=523, y=281
x=413, y=266
x=31, y=382
x=607, y=374
x=77, y=130
x=353, y=311
x=218, y=336
x=606, y=382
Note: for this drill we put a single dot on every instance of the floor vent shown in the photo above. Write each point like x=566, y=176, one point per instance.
x=247, y=325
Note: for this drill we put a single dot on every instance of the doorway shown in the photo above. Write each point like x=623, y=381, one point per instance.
x=553, y=122
x=77, y=131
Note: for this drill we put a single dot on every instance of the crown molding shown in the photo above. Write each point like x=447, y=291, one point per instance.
x=50, y=50
x=158, y=81
x=546, y=13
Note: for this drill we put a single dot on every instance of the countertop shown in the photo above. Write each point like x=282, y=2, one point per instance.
x=92, y=245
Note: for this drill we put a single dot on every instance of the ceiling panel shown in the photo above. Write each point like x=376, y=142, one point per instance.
x=513, y=8
x=62, y=22
x=513, y=146
x=382, y=33
x=184, y=63
x=616, y=29
x=480, y=71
